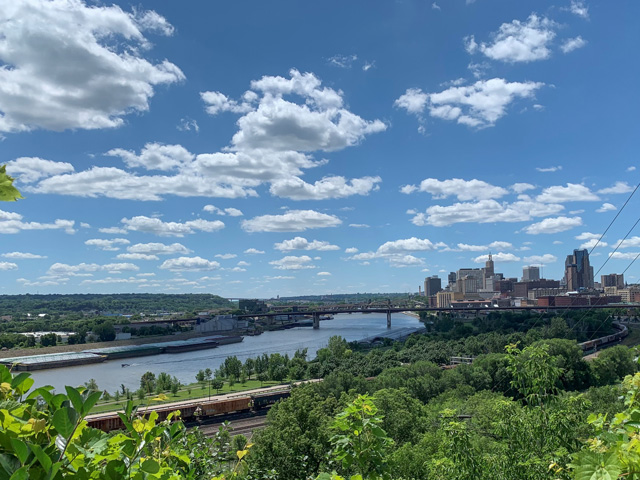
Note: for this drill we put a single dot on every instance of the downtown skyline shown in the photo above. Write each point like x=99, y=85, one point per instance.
x=260, y=150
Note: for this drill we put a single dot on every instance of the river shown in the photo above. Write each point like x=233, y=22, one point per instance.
x=110, y=375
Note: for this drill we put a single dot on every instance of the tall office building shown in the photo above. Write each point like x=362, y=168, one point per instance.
x=432, y=285
x=488, y=267
x=530, y=274
x=578, y=271
x=612, y=280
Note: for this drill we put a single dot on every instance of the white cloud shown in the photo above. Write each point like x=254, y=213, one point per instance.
x=351, y=250
x=498, y=258
x=522, y=187
x=217, y=102
x=518, y=41
x=412, y=244
x=8, y=266
x=233, y=212
x=329, y=187
x=624, y=255
x=170, y=229
x=606, y=207
x=155, y=156
x=618, y=187
x=87, y=269
x=158, y=249
x=22, y=256
x=588, y=236
x=571, y=44
x=478, y=105
x=108, y=245
x=300, y=243
x=553, y=225
x=293, y=263
x=589, y=244
x=484, y=211
x=571, y=193
x=120, y=267
x=631, y=169
x=242, y=263
x=368, y=66
x=189, y=264
x=11, y=223
x=359, y=225
x=549, y=169
x=32, y=169
x=226, y=256
x=462, y=189
x=342, y=61
x=497, y=245
x=114, y=230
x=280, y=277
x=628, y=243
x=324, y=274
x=111, y=280
x=291, y=221
x=136, y=256
x=435, y=6
x=540, y=259
x=579, y=8
x=70, y=66
x=253, y=251
x=188, y=124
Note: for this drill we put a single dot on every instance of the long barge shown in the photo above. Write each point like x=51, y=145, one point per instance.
x=98, y=355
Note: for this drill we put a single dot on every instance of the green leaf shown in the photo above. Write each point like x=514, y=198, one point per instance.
x=21, y=450
x=42, y=457
x=18, y=379
x=90, y=402
x=21, y=474
x=76, y=399
x=8, y=193
x=43, y=392
x=150, y=466
x=597, y=466
x=64, y=420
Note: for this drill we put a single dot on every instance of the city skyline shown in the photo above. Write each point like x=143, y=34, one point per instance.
x=244, y=150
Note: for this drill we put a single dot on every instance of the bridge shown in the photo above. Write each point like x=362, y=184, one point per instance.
x=389, y=309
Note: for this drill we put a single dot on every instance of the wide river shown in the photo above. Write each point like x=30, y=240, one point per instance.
x=110, y=375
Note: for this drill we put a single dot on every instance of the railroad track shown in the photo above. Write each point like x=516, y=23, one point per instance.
x=240, y=423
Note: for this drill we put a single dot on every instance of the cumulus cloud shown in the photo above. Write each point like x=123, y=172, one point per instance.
x=108, y=245
x=412, y=244
x=232, y=212
x=189, y=264
x=579, y=8
x=301, y=243
x=11, y=223
x=359, y=225
x=226, y=256
x=22, y=256
x=571, y=193
x=606, y=207
x=342, y=61
x=540, y=259
x=292, y=262
x=479, y=105
x=32, y=169
x=522, y=187
x=351, y=250
x=485, y=211
x=571, y=44
x=628, y=243
x=155, y=156
x=170, y=229
x=253, y=251
x=618, y=187
x=553, y=225
x=329, y=187
x=72, y=66
x=158, y=249
x=462, y=189
x=136, y=256
x=397, y=253
x=8, y=266
x=518, y=41
x=624, y=255
x=324, y=274
x=591, y=243
x=497, y=245
x=217, y=102
x=498, y=258
x=291, y=221
x=87, y=269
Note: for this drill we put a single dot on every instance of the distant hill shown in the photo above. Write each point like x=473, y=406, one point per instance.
x=343, y=297
x=113, y=303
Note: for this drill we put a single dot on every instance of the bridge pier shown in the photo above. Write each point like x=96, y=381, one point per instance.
x=316, y=321
x=389, y=319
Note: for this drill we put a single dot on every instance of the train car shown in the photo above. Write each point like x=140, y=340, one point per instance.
x=208, y=409
x=267, y=399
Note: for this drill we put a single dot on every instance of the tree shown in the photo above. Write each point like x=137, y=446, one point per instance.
x=8, y=193
x=200, y=378
x=217, y=384
x=105, y=331
x=92, y=385
x=148, y=382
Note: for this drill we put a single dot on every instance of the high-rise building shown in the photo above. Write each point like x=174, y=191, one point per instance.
x=432, y=285
x=578, y=271
x=612, y=280
x=451, y=279
x=488, y=267
x=530, y=273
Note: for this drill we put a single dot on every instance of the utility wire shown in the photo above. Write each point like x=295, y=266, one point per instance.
x=614, y=219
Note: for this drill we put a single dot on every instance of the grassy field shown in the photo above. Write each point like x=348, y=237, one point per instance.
x=188, y=392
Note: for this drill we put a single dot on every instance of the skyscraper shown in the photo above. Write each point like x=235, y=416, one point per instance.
x=578, y=271
x=530, y=273
x=432, y=285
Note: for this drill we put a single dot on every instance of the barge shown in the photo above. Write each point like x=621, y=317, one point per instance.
x=51, y=360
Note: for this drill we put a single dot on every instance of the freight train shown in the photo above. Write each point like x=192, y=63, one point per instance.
x=608, y=340
x=195, y=410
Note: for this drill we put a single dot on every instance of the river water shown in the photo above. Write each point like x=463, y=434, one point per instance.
x=110, y=375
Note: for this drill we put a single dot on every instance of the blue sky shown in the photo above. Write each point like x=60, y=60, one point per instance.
x=255, y=149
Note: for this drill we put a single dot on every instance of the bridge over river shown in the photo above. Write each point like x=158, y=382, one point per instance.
x=389, y=308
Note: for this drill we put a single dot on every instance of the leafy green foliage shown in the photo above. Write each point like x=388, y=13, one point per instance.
x=8, y=193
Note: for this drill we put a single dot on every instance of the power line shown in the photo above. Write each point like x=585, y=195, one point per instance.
x=614, y=219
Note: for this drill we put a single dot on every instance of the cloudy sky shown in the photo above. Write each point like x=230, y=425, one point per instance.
x=254, y=149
